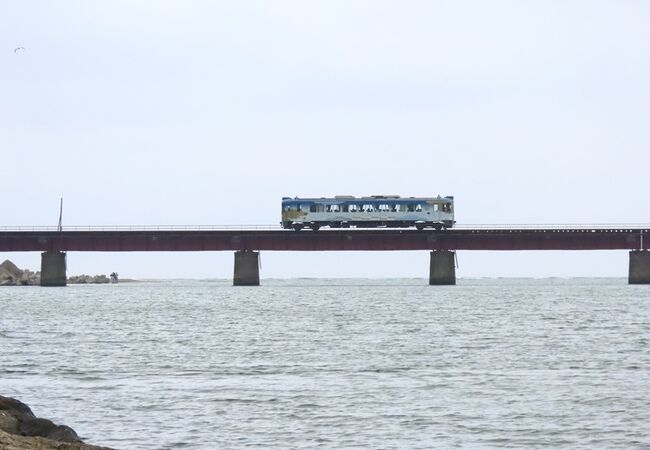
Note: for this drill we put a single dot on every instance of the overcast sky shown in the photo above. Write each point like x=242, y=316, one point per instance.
x=204, y=112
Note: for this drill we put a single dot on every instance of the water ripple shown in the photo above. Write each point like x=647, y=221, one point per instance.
x=335, y=363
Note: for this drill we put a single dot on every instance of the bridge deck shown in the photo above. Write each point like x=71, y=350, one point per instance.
x=327, y=240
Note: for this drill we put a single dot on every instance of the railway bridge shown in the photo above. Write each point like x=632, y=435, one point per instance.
x=247, y=242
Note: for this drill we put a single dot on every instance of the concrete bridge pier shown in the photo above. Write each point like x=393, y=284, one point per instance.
x=442, y=268
x=639, y=267
x=53, y=269
x=247, y=268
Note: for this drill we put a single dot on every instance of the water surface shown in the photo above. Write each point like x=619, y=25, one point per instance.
x=311, y=363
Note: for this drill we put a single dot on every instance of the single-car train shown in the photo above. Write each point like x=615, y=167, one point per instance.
x=390, y=211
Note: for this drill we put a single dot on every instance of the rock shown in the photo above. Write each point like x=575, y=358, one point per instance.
x=10, y=275
x=14, y=406
x=26, y=424
x=10, y=441
x=6, y=277
x=11, y=269
x=20, y=429
x=47, y=429
x=30, y=278
x=9, y=423
x=88, y=279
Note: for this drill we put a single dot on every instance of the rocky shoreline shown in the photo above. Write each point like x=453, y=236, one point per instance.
x=11, y=275
x=20, y=429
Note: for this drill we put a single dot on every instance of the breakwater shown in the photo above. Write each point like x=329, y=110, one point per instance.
x=11, y=275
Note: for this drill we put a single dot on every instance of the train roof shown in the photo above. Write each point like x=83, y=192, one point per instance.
x=371, y=198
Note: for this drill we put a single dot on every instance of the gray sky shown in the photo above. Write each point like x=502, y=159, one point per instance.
x=202, y=112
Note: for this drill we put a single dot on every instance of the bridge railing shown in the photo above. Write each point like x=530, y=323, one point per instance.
x=140, y=227
x=553, y=226
x=226, y=227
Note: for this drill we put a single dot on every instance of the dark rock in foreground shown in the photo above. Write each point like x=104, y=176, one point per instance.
x=21, y=429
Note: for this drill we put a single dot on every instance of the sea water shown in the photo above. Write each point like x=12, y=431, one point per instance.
x=319, y=363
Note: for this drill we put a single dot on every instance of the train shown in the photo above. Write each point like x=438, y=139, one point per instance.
x=387, y=211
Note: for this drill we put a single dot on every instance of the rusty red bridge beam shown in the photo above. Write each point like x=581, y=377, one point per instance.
x=325, y=240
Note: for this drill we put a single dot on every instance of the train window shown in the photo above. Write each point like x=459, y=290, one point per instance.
x=334, y=208
x=383, y=208
x=446, y=207
x=394, y=207
x=367, y=208
x=418, y=208
x=436, y=207
x=353, y=208
x=344, y=208
x=410, y=207
x=317, y=207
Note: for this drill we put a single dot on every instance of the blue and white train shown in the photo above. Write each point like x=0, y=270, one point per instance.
x=368, y=212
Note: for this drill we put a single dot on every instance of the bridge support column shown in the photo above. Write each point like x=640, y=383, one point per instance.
x=442, y=269
x=639, y=267
x=53, y=269
x=247, y=268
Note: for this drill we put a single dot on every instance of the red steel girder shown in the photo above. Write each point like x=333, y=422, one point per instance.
x=324, y=240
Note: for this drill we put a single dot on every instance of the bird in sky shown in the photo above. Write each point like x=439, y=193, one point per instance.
x=17, y=49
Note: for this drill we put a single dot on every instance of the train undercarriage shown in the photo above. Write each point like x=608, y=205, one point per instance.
x=315, y=226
